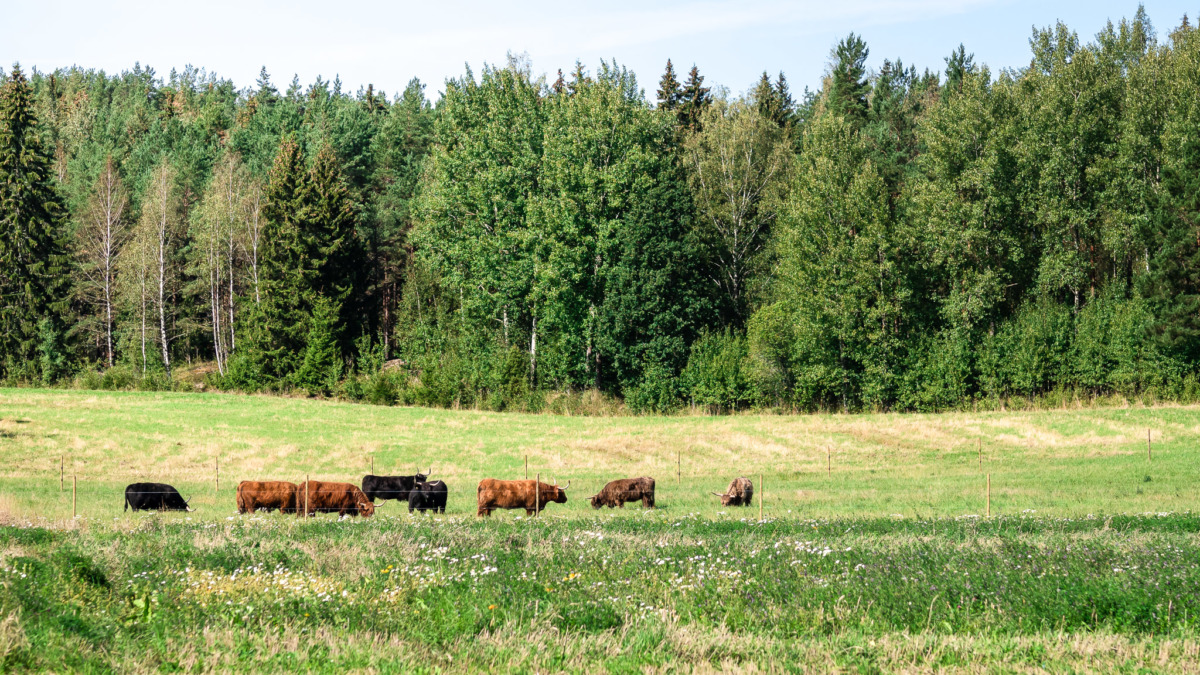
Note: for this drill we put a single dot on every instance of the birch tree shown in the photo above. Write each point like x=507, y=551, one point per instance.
x=218, y=230
x=100, y=237
x=739, y=166
x=160, y=225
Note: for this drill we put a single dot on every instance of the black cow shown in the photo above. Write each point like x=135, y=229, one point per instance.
x=431, y=496
x=154, y=497
x=391, y=487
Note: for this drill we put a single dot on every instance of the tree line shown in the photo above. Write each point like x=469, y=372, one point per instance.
x=896, y=240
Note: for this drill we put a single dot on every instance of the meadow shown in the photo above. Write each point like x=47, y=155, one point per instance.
x=881, y=560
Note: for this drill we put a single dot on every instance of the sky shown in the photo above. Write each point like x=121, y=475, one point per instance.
x=387, y=43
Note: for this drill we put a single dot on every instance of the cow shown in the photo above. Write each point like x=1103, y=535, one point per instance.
x=622, y=490
x=739, y=493
x=428, y=496
x=530, y=495
x=271, y=495
x=391, y=487
x=320, y=496
x=154, y=497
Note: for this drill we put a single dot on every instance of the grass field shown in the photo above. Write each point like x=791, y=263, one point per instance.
x=1090, y=563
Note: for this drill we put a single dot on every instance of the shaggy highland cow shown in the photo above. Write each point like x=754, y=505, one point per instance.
x=622, y=490
x=739, y=493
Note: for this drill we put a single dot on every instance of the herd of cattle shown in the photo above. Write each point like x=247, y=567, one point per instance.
x=315, y=496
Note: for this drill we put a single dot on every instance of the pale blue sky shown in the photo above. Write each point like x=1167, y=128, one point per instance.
x=386, y=43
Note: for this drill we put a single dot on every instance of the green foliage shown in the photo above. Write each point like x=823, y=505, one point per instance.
x=51, y=351
x=32, y=260
x=322, y=367
x=716, y=371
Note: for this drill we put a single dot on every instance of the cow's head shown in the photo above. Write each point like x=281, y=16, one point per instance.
x=422, y=477
x=366, y=508
x=557, y=494
x=726, y=498
x=597, y=500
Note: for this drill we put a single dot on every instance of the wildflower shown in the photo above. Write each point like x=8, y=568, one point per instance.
x=491, y=607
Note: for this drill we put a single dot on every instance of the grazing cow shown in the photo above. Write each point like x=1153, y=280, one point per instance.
x=320, y=496
x=428, y=496
x=269, y=495
x=154, y=497
x=391, y=487
x=739, y=493
x=622, y=490
x=518, y=494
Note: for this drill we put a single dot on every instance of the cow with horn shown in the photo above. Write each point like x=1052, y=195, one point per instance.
x=530, y=495
x=739, y=493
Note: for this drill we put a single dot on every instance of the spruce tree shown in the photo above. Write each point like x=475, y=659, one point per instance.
x=32, y=260
x=286, y=267
x=322, y=366
x=333, y=248
x=694, y=100
x=669, y=92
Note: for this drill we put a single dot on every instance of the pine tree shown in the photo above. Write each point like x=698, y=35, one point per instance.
x=958, y=65
x=848, y=85
x=560, y=83
x=694, y=100
x=32, y=260
x=669, y=92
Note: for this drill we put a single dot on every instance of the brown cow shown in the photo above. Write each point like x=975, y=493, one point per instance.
x=320, y=496
x=518, y=494
x=622, y=490
x=271, y=495
x=739, y=493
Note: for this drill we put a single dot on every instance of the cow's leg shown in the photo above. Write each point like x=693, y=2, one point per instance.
x=621, y=504
x=483, y=512
x=529, y=512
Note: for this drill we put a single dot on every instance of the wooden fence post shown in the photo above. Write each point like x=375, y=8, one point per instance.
x=74, y=503
x=828, y=461
x=372, y=465
x=981, y=454
x=527, y=467
x=537, y=494
x=989, y=495
x=306, y=488
x=217, y=475
x=62, y=464
x=678, y=467
x=762, y=487
x=1149, y=455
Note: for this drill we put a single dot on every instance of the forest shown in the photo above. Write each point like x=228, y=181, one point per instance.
x=898, y=239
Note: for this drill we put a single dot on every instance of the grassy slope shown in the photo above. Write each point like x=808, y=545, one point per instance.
x=1056, y=462
x=830, y=581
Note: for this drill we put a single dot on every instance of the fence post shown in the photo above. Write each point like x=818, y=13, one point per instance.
x=981, y=454
x=762, y=487
x=372, y=465
x=537, y=495
x=306, y=488
x=526, y=467
x=828, y=461
x=678, y=467
x=989, y=495
x=62, y=463
x=74, y=503
x=1149, y=455
x=217, y=475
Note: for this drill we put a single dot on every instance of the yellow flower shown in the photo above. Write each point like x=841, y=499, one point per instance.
x=491, y=607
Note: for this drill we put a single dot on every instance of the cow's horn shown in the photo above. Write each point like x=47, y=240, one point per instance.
x=719, y=494
x=565, y=486
x=429, y=472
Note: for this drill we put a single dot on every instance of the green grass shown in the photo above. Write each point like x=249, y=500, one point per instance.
x=883, y=565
